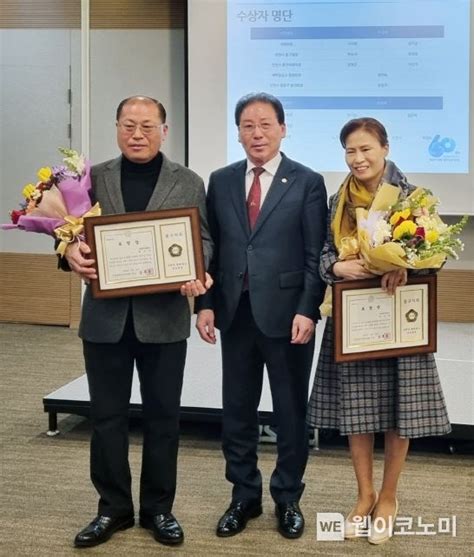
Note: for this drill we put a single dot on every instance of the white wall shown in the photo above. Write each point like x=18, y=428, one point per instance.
x=126, y=63
x=37, y=69
x=34, y=115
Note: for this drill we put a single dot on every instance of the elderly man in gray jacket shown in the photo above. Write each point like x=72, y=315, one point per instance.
x=148, y=331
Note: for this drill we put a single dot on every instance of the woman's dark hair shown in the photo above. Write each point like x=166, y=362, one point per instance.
x=251, y=98
x=161, y=108
x=371, y=125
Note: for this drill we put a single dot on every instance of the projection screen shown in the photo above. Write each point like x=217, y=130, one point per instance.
x=404, y=62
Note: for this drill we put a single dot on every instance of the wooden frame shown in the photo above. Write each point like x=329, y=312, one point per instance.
x=145, y=252
x=391, y=315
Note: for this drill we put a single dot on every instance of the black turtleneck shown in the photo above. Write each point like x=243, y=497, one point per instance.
x=138, y=181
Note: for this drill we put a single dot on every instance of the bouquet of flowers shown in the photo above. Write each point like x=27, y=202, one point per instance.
x=59, y=201
x=405, y=232
x=400, y=232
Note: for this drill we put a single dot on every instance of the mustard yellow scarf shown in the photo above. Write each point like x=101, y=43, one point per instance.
x=352, y=194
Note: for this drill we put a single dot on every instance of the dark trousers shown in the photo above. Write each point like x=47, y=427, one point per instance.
x=245, y=350
x=109, y=372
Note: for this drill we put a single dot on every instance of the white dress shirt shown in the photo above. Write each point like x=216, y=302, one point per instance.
x=266, y=177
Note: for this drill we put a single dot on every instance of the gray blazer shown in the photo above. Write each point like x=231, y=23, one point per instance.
x=281, y=254
x=158, y=318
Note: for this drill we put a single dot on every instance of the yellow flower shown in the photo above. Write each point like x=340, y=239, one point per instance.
x=399, y=215
x=407, y=227
x=28, y=190
x=44, y=174
x=431, y=236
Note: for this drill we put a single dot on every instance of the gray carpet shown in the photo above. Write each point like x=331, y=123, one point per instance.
x=47, y=496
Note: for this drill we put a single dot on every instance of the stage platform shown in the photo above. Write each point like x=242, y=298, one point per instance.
x=73, y=398
x=201, y=398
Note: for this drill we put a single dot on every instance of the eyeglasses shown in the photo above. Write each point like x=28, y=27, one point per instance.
x=146, y=129
x=247, y=129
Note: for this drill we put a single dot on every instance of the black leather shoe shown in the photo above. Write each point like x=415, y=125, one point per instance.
x=165, y=528
x=235, y=519
x=290, y=519
x=102, y=529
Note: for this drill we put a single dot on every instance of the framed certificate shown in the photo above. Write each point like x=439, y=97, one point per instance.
x=145, y=252
x=369, y=323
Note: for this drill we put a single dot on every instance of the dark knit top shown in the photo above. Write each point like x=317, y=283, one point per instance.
x=138, y=181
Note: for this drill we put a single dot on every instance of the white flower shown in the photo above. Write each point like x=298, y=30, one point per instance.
x=74, y=161
x=412, y=256
x=420, y=211
x=377, y=227
x=432, y=222
x=381, y=232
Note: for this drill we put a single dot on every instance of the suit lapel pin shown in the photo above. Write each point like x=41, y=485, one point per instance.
x=284, y=180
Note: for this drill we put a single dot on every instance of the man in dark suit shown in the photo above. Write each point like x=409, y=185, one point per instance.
x=148, y=331
x=267, y=216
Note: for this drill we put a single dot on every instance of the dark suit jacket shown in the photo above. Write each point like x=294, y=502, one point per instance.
x=281, y=254
x=158, y=318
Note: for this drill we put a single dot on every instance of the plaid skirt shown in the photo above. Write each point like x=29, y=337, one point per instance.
x=402, y=394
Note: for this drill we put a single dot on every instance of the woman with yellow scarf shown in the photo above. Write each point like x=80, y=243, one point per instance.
x=400, y=397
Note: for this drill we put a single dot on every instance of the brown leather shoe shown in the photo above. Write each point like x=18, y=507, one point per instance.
x=235, y=519
x=101, y=529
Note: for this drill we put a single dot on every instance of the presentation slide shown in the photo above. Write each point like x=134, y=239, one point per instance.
x=404, y=62
x=329, y=62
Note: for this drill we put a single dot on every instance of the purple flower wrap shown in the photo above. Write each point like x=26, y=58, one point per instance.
x=76, y=200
